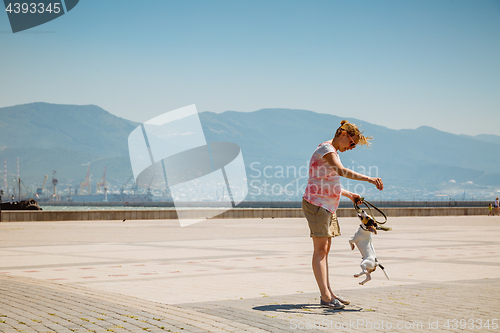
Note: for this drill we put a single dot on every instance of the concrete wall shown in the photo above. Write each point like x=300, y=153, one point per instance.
x=99, y=215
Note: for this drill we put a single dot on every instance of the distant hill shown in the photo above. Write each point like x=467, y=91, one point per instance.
x=87, y=128
x=65, y=138
x=423, y=159
x=295, y=133
x=276, y=146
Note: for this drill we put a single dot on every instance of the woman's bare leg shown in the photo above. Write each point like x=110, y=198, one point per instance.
x=332, y=294
x=320, y=266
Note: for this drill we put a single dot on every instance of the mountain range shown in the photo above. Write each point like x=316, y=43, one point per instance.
x=276, y=145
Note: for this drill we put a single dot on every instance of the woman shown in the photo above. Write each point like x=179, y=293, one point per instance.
x=321, y=199
x=496, y=207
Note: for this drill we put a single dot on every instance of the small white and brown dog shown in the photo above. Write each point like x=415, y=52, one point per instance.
x=363, y=240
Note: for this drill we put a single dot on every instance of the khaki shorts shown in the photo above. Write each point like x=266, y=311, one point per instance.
x=322, y=223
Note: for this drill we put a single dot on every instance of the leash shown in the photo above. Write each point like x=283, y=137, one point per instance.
x=369, y=205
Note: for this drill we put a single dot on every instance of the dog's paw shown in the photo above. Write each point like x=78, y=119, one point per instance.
x=352, y=245
x=365, y=280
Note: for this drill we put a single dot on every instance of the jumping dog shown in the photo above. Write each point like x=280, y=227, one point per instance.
x=363, y=240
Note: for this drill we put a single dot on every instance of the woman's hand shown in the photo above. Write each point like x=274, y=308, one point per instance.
x=377, y=182
x=356, y=198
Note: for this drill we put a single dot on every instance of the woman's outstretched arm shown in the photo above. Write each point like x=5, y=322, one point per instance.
x=335, y=163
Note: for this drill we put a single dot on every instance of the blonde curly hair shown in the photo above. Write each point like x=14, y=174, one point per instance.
x=353, y=130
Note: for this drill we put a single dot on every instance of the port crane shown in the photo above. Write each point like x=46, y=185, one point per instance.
x=55, y=197
x=39, y=190
x=86, y=182
x=101, y=184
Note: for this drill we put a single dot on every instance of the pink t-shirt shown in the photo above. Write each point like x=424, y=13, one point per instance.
x=323, y=187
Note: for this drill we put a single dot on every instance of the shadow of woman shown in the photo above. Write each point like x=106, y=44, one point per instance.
x=303, y=308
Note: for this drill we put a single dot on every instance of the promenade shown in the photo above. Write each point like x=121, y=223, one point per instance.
x=245, y=275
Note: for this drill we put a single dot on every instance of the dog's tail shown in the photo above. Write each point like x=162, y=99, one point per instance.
x=383, y=269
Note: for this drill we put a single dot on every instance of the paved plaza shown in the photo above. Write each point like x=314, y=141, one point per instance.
x=245, y=275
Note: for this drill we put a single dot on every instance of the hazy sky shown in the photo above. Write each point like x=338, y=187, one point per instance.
x=400, y=64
